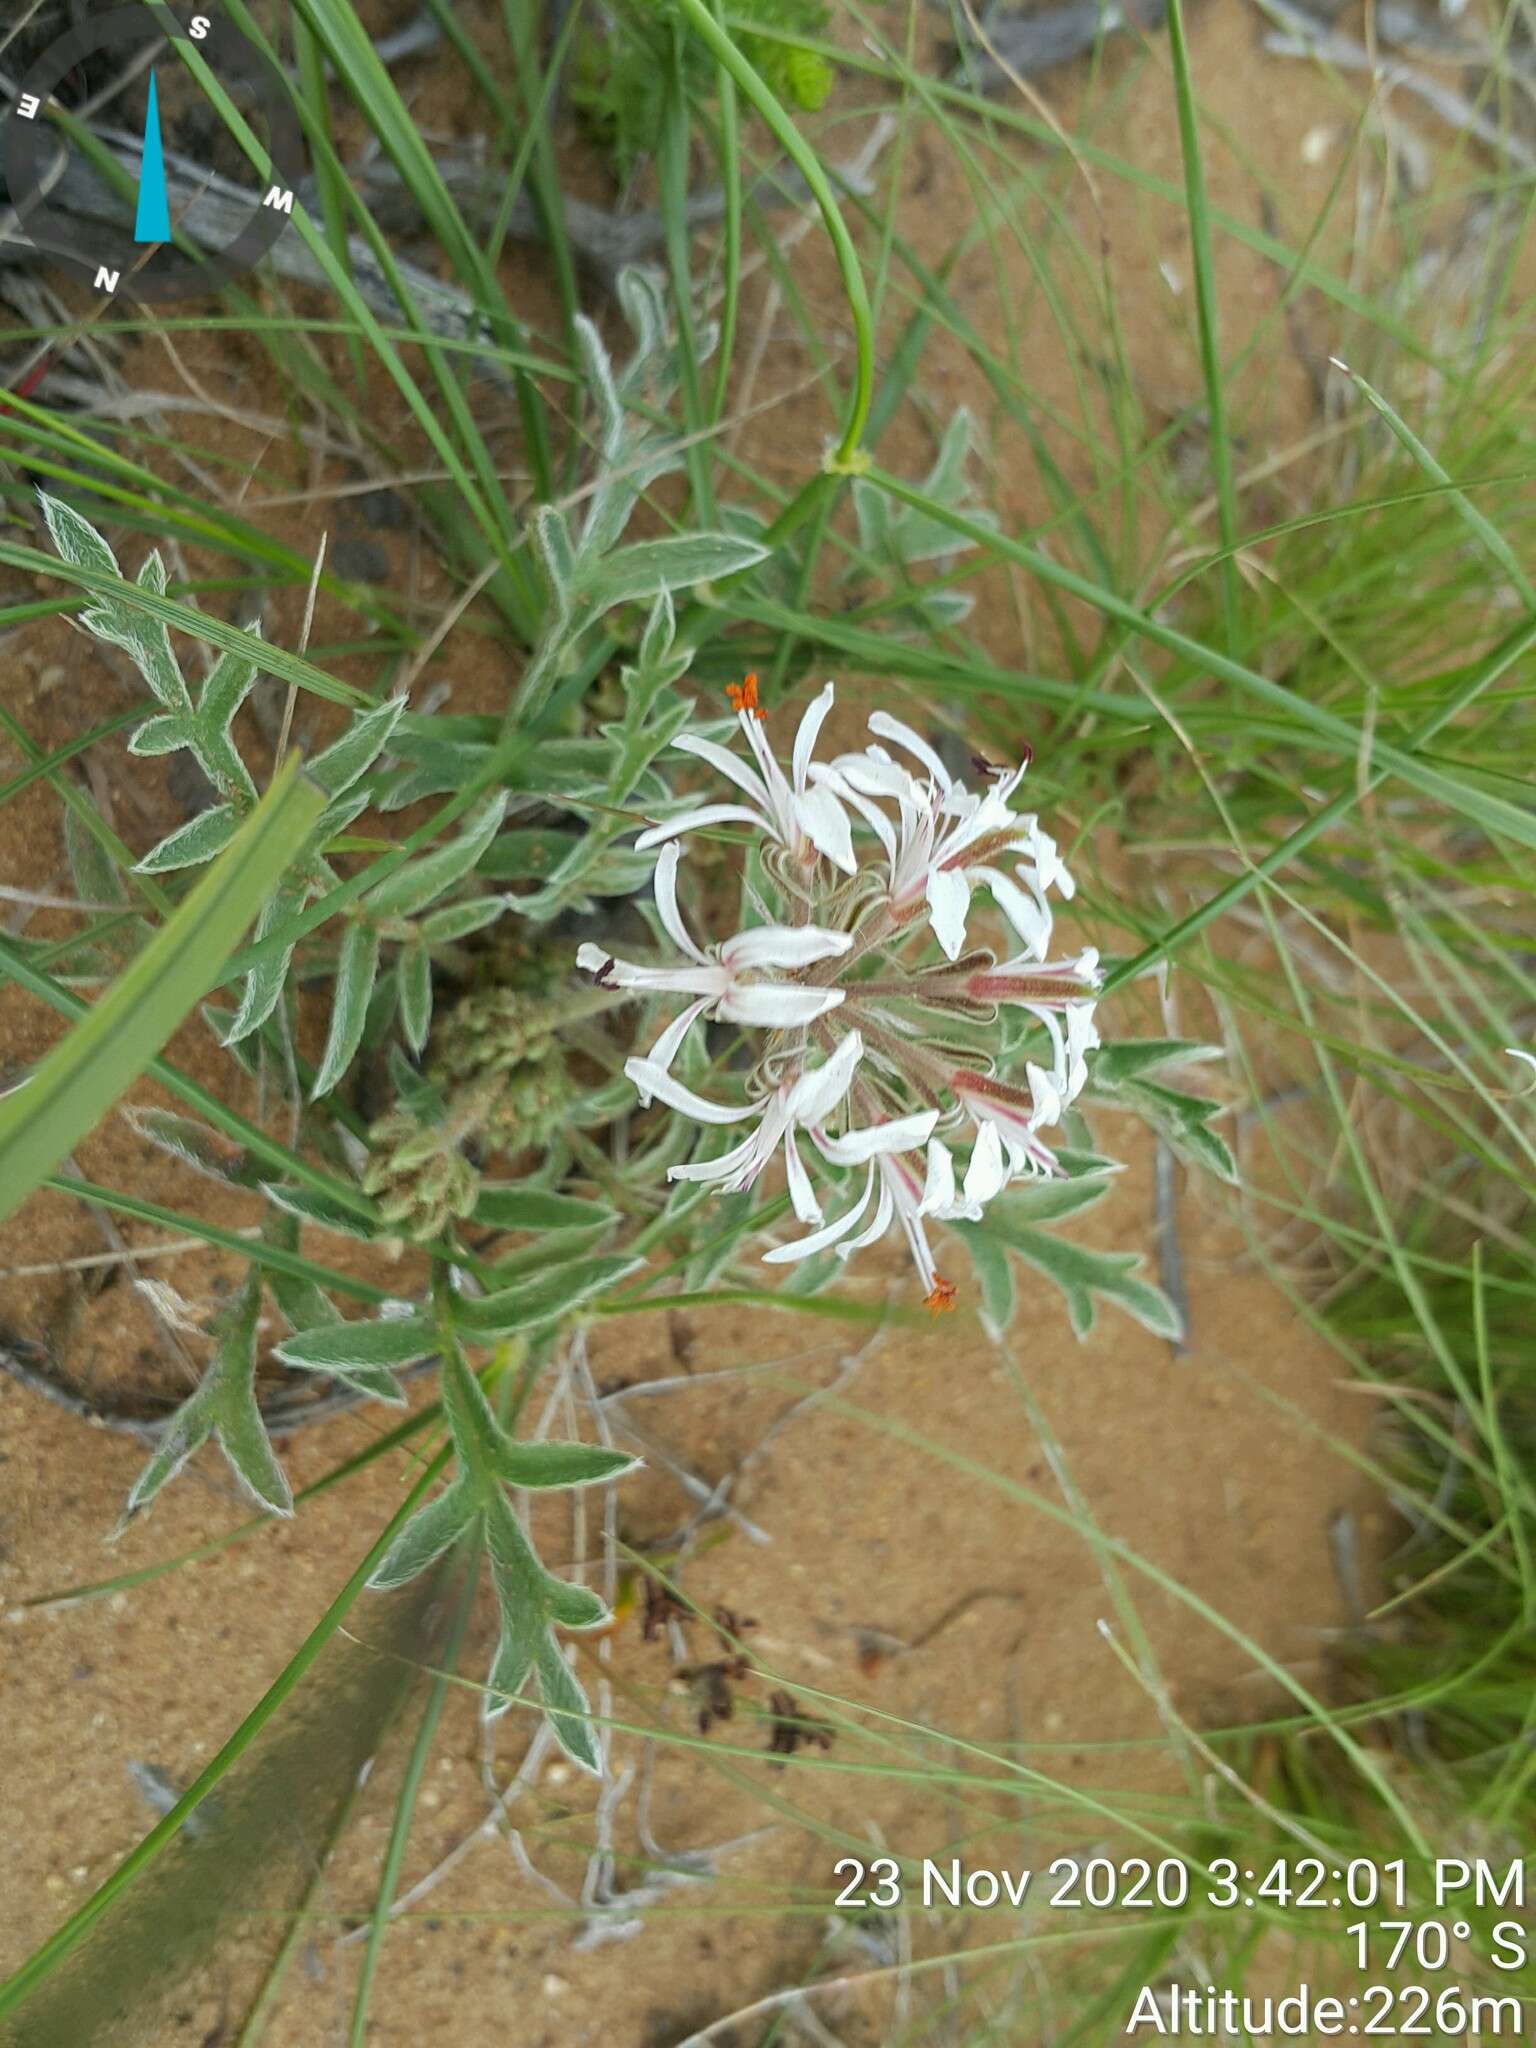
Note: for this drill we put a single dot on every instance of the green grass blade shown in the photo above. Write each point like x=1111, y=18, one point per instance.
x=1205, y=319
x=110, y=1046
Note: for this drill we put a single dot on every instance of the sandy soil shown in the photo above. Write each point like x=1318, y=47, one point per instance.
x=875, y=1563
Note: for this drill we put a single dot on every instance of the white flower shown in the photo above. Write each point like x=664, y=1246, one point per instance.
x=792, y=1107
x=1014, y=1115
x=717, y=978
x=1070, y=1073
x=866, y=983
x=805, y=818
x=948, y=840
x=902, y=1197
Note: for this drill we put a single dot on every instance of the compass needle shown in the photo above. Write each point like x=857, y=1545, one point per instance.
x=160, y=219
x=154, y=216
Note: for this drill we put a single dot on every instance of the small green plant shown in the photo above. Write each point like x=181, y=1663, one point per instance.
x=528, y=1065
x=625, y=66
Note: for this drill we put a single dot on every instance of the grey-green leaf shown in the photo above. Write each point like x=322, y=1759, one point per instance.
x=196, y=1144
x=415, y=973
x=264, y=984
x=391, y=1340
x=570, y=1716
x=76, y=540
x=524, y=1208
x=560, y=1464
x=310, y=1206
x=573, y=1606
x=541, y=1300
x=188, y=1429
x=425, y=1537
x=224, y=1403
x=648, y=567
x=356, y=969
x=421, y=882
x=1086, y=1275
x=458, y=920
x=358, y=748
x=206, y=835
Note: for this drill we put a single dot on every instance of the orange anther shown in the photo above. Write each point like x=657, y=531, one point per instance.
x=743, y=696
x=943, y=1296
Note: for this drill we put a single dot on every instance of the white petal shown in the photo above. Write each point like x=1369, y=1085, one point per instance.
x=979, y=818
x=1050, y=868
x=987, y=1173
x=949, y=898
x=802, y=1196
x=871, y=813
x=1047, y=1101
x=806, y=733
x=1082, y=1032
x=825, y=823
x=1007, y=784
x=807, y=1247
x=816, y=1094
x=1059, y=1060
x=939, y=1187
x=665, y=1050
x=725, y=763
x=650, y=1079
x=1515, y=1053
x=893, y=729
x=877, y=774
x=776, y=1004
x=723, y=1168
x=874, y=1231
x=1027, y=914
x=693, y=821
x=775, y=786
x=784, y=945
x=896, y=1134
x=666, y=905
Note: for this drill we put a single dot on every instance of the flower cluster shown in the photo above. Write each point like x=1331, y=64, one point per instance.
x=880, y=1051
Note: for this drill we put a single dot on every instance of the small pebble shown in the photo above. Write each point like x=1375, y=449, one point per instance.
x=1316, y=144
